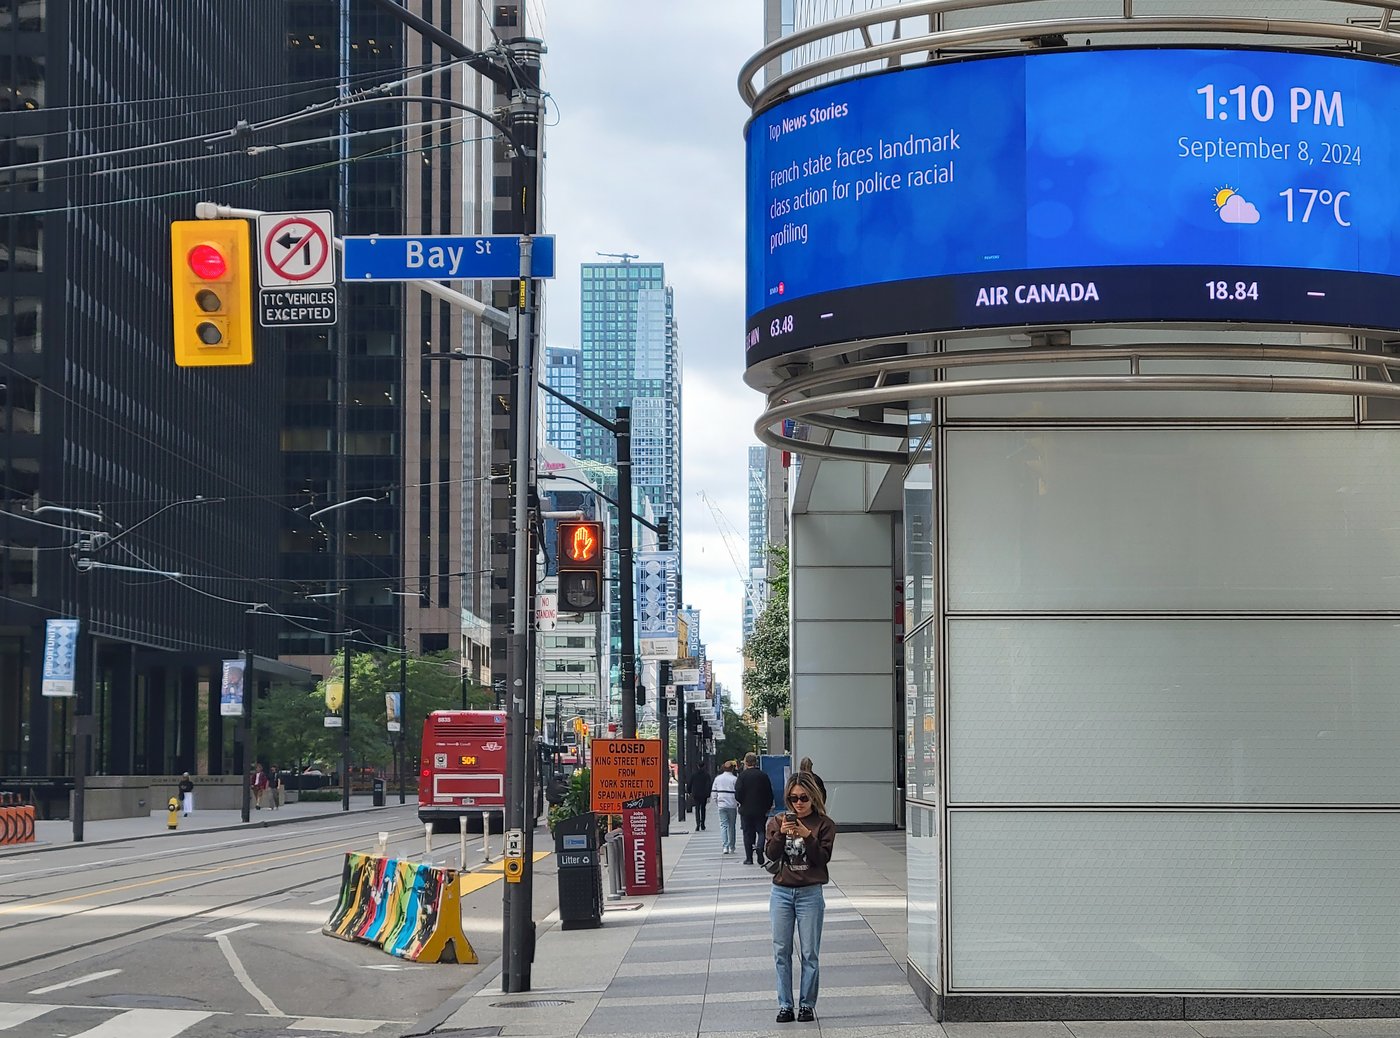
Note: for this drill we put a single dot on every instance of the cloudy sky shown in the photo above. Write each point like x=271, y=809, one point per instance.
x=647, y=156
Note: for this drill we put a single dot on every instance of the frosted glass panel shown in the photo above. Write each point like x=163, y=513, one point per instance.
x=921, y=854
x=1152, y=404
x=1299, y=519
x=1203, y=901
x=1052, y=711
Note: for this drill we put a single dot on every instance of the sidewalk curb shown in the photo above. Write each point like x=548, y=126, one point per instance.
x=40, y=848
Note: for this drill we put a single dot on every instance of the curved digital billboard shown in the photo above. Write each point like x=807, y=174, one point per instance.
x=1076, y=187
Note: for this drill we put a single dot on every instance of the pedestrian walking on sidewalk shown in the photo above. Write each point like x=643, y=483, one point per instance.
x=799, y=842
x=805, y=764
x=723, y=791
x=754, y=794
x=699, y=789
x=274, y=788
x=259, y=784
x=186, y=788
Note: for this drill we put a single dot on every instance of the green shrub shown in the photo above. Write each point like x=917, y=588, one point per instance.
x=577, y=801
x=319, y=796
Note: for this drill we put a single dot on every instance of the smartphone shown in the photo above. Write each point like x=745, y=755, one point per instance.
x=789, y=817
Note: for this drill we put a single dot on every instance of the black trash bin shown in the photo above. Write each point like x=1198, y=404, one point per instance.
x=378, y=789
x=580, y=872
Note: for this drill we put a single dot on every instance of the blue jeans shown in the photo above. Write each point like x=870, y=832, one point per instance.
x=804, y=906
x=728, y=817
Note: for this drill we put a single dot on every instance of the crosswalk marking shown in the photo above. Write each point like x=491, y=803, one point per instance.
x=129, y=1023
x=146, y=1023
x=74, y=983
x=12, y=1014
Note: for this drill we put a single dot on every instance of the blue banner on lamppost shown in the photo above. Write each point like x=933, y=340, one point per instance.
x=658, y=611
x=231, y=691
x=60, y=658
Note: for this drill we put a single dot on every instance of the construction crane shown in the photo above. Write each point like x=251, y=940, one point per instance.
x=624, y=256
x=730, y=534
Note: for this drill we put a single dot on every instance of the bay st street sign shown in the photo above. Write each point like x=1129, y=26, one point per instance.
x=379, y=257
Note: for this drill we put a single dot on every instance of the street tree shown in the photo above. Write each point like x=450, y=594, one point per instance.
x=767, y=682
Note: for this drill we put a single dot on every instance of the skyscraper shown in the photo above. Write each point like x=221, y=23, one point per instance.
x=561, y=422
x=630, y=357
x=97, y=424
x=755, y=587
x=369, y=413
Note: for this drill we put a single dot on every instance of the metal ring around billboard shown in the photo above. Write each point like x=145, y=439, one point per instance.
x=1069, y=187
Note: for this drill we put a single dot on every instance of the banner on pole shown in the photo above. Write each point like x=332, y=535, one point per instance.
x=231, y=691
x=393, y=701
x=658, y=611
x=60, y=658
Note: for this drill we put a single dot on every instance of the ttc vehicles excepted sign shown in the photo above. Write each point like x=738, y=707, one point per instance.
x=296, y=271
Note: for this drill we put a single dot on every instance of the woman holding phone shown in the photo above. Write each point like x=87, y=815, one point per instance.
x=798, y=844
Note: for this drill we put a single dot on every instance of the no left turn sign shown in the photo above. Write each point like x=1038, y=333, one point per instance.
x=294, y=249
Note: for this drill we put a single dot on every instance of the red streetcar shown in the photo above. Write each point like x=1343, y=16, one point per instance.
x=464, y=767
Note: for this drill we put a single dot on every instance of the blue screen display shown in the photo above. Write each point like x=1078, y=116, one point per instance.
x=1074, y=187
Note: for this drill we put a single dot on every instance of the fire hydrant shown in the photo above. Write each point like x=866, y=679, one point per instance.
x=172, y=820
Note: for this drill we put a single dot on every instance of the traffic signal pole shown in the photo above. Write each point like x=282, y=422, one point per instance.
x=626, y=573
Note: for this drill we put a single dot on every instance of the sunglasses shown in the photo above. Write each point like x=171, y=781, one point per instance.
x=799, y=800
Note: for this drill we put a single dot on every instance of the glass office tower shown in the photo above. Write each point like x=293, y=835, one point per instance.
x=631, y=358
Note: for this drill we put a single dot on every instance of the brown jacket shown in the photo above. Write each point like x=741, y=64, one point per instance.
x=806, y=868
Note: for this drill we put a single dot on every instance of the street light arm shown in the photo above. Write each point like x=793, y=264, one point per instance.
x=197, y=500
x=339, y=504
x=463, y=355
x=450, y=44
x=594, y=490
x=498, y=319
x=591, y=415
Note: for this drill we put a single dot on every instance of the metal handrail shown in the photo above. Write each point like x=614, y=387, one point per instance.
x=1018, y=31
x=816, y=409
x=871, y=369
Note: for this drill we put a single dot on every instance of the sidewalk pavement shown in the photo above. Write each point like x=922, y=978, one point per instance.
x=59, y=833
x=698, y=960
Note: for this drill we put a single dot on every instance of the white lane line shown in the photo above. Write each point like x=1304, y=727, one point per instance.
x=231, y=929
x=330, y=1023
x=226, y=947
x=325, y=900
x=12, y=1014
x=75, y=983
x=147, y=1023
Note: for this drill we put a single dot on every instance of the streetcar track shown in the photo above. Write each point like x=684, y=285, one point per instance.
x=59, y=870
x=176, y=918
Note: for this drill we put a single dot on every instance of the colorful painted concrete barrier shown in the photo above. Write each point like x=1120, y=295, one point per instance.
x=16, y=820
x=410, y=910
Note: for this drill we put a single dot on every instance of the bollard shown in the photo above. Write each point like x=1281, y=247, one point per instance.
x=462, y=842
x=486, y=837
x=381, y=845
x=172, y=819
x=427, y=841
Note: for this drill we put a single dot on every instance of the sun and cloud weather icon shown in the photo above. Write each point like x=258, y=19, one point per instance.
x=1234, y=208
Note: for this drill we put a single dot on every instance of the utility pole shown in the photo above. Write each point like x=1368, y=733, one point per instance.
x=626, y=577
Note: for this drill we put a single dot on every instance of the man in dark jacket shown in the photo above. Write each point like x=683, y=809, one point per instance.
x=699, y=789
x=754, y=795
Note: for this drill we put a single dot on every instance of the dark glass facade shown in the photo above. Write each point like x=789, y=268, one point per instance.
x=95, y=415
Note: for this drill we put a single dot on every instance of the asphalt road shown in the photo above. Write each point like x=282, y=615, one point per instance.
x=218, y=935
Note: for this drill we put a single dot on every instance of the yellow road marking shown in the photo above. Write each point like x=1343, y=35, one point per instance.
x=172, y=876
x=488, y=874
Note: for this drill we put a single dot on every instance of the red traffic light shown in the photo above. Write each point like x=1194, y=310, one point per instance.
x=207, y=262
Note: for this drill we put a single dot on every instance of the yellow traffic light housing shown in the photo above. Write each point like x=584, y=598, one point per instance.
x=211, y=287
